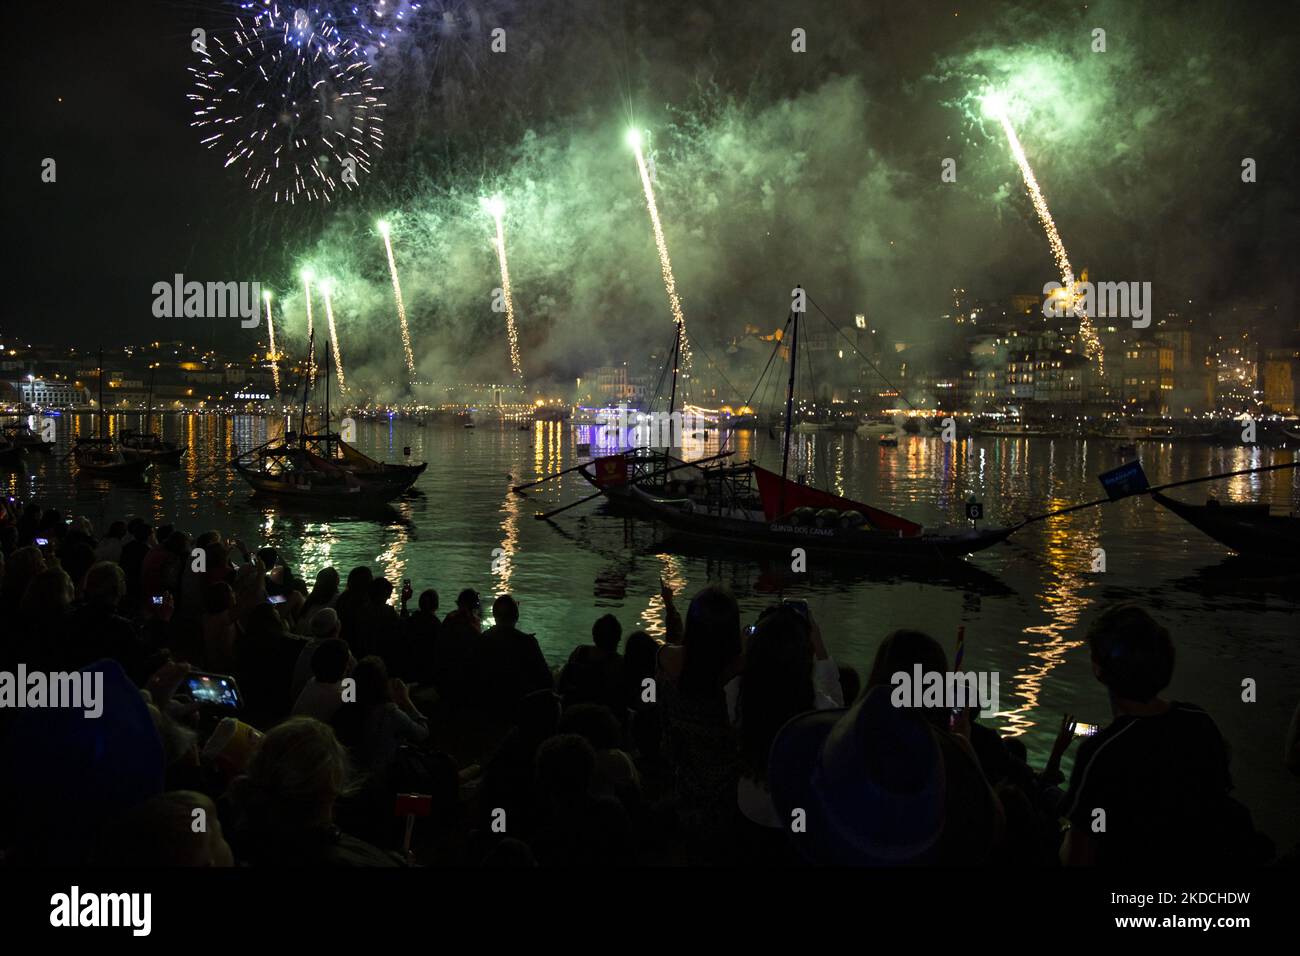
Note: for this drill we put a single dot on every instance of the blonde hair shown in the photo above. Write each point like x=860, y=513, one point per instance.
x=298, y=770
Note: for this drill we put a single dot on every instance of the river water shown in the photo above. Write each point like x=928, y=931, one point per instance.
x=1025, y=605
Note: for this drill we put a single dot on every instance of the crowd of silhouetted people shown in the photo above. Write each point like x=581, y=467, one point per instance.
x=372, y=726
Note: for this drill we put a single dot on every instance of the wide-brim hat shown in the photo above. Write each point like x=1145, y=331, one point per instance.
x=869, y=780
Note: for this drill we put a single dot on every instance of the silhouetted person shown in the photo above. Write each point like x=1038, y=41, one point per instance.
x=509, y=662
x=354, y=610
x=287, y=802
x=323, y=594
x=421, y=636
x=322, y=695
x=97, y=630
x=265, y=655
x=594, y=672
x=139, y=542
x=578, y=829
x=454, y=650
x=386, y=627
x=1158, y=771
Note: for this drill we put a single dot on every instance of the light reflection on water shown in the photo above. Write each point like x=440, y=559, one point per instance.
x=1025, y=605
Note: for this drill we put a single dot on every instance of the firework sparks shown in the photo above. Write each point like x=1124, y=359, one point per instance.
x=327, y=289
x=291, y=101
x=665, y=264
x=397, y=294
x=275, y=356
x=996, y=107
x=497, y=207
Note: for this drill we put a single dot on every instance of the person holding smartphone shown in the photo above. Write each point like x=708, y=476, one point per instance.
x=1159, y=770
x=382, y=719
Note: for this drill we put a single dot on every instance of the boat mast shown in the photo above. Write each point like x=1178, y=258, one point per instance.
x=306, y=383
x=327, y=394
x=677, y=351
x=148, y=408
x=102, y=431
x=789, y=406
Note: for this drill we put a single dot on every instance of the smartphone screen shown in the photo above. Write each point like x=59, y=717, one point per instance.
x=42, y=542
x=277, y=599
x=1085, y=730
x=157, y=600
x=213, y=690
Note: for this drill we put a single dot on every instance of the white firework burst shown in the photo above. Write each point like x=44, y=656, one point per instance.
x=291, y=101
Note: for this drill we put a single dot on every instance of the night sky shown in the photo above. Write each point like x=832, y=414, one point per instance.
x=772, y=168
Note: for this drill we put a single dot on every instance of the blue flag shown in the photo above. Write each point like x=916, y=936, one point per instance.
x=1125, y=480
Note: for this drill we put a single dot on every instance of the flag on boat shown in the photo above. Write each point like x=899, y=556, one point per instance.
x=1125, y=480
x=610, y=470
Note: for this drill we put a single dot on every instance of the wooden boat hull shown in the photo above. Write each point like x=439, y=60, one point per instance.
x=33, y=444
x=120, y=471
x=780, y=536
x=307, y=490
x=399, y=476
x=1248, y=529
x=323, y=468
x=646, y=500
x=157, y=456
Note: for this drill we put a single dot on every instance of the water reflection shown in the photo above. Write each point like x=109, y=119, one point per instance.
x=1067, y=555
x=504, y=555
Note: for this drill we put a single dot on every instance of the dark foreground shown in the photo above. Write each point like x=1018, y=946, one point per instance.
x=377, y=730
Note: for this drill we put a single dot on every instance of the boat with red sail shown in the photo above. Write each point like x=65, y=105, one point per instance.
x=749, y=504
x=745, y=503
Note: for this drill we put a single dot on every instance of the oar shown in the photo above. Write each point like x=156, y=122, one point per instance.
x=1147, y=491
x=572, y=504
x=222, y=467
x=518, y=489
x=663, y=471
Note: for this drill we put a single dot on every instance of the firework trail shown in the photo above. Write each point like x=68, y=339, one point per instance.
x=290, y=100
x=397, y=294
x=275, y=356
x=1092, y=347
x=327, y=288
x=306, y=289
x=665, y=264
x=497, y=207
